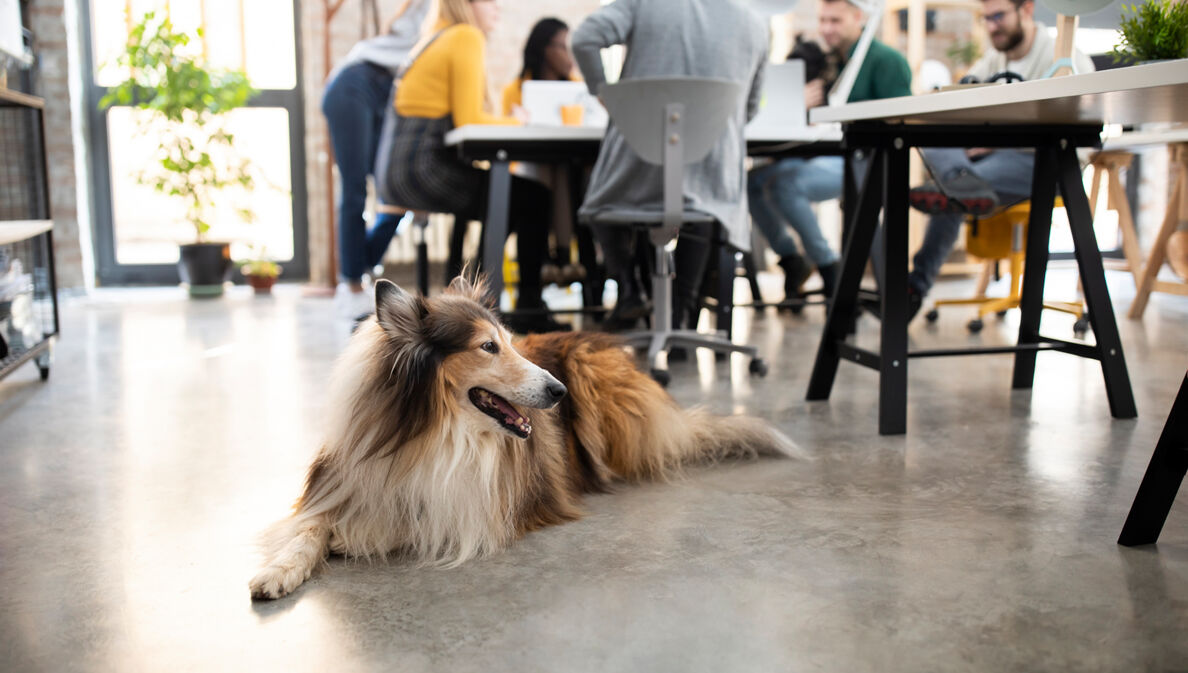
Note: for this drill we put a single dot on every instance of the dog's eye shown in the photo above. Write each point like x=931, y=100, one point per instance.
x=490, y=347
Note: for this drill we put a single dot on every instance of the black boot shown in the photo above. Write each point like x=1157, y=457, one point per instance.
x=796, y=271
x=630, y=306
x=829, y=277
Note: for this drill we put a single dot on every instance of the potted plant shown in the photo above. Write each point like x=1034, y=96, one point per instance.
x=1155, y=31
x=195, y=159
x=261, y=272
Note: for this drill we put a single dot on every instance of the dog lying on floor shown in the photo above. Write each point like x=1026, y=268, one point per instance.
x=448, y=441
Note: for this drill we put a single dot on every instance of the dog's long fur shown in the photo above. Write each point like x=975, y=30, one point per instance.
x=412, y=466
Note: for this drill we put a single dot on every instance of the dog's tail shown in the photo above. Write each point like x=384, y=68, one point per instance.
x=301, y=543
x=683, y=436
x=633, y=427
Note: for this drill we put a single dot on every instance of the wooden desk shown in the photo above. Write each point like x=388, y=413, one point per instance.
x=1054, y=117
x=579, y=145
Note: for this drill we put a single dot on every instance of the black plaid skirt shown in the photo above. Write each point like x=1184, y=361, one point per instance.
x=423, y=174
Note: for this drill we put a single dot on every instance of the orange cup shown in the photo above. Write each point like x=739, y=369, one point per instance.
x=571, y=115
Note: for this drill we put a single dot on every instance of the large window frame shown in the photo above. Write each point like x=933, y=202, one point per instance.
x=108, y=269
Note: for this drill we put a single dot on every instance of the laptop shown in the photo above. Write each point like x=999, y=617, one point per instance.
x=542, y=100
x=782, y=103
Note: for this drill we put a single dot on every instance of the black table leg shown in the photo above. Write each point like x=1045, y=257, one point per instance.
x=1039, y=230
x=725, y=290
x=592, y=284
x=841, y=312
x=1097, y=295
x=893, y=337
x=1162, y=480
x=495, y=226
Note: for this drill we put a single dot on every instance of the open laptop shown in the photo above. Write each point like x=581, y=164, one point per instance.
x=782, y=103
x=542, y=100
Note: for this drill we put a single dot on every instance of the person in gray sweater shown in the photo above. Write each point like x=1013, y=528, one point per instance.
x=356, y=97
x=701, y=38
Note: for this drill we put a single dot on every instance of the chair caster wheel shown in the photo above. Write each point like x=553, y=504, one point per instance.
x=975, y=325
x=1081, y=327
x=661, y=376
x=758, y=367
x=932, y=315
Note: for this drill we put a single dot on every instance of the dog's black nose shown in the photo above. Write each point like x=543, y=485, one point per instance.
x=556, y=390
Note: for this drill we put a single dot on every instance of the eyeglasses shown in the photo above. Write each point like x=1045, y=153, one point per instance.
x=996, y=18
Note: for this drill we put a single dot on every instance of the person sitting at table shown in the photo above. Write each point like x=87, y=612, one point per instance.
x=443, y=87
x=784, y=191
x=547, y=58
x=700, y=38
x=976, y=181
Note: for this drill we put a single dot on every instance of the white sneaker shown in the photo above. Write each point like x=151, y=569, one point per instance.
x=351, y=305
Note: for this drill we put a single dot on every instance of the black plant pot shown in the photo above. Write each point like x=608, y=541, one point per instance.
x=205, y=267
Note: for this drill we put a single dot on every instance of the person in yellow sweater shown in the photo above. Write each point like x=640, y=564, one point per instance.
x=443, y=87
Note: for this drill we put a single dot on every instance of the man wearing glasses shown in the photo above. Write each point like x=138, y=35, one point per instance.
x=976, y=181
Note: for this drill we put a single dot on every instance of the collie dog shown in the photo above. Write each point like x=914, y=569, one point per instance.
x=448, y=440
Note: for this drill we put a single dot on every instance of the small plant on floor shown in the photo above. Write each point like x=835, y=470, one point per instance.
x=1155, y=30
x=261, y=272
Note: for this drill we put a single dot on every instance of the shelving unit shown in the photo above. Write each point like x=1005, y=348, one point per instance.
x=28, y=288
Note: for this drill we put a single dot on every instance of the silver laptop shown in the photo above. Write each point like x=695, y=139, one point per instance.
x=782, y=102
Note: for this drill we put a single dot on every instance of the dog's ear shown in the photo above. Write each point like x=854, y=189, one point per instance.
x=397, y=310
x=472, y=287
x=461, y=285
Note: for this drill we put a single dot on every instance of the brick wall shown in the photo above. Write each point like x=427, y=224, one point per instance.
x=47, y=20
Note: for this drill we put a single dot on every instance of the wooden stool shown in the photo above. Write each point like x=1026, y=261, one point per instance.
x=1002, y=235
x=1177, y=210
x=1109, y=164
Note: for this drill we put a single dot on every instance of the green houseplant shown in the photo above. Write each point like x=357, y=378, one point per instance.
x=260, y=270
x=1155, y=30
x=195, y=159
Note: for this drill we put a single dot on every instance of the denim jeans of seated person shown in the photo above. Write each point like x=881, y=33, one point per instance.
x=784, y=192
x=1008, y=172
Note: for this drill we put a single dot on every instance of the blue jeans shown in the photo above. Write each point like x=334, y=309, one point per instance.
x=1008, y=172
x=784, y=191
x=354, y=105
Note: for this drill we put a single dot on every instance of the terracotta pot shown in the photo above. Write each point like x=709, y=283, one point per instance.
x=261, y=284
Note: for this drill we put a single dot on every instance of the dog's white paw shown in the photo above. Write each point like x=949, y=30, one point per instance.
x=276, y=581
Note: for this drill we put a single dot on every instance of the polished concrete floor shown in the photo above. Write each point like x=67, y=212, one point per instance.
x=134, y=481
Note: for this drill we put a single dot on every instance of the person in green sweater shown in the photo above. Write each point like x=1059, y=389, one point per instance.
x=781, y=194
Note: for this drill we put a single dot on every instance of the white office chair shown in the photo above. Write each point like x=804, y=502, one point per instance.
x=671, y=122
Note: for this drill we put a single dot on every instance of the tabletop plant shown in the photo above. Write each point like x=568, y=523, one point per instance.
x=1155, y=30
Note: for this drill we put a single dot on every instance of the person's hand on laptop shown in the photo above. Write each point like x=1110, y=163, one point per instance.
x=814, y=93
x=521, y=114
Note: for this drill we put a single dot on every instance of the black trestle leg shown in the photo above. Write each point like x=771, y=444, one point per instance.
x=893, y=339
x=1039, y=230
x=1097, y=295
x=841, y=312
x=1162, y=480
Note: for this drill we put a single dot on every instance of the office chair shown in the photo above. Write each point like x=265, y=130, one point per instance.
x=671, y=122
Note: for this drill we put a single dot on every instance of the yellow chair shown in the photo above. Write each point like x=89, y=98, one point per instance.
x=1003, y=235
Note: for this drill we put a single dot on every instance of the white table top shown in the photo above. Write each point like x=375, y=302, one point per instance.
x=1135, y=95
x=1138, y=138
x=492, y=132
